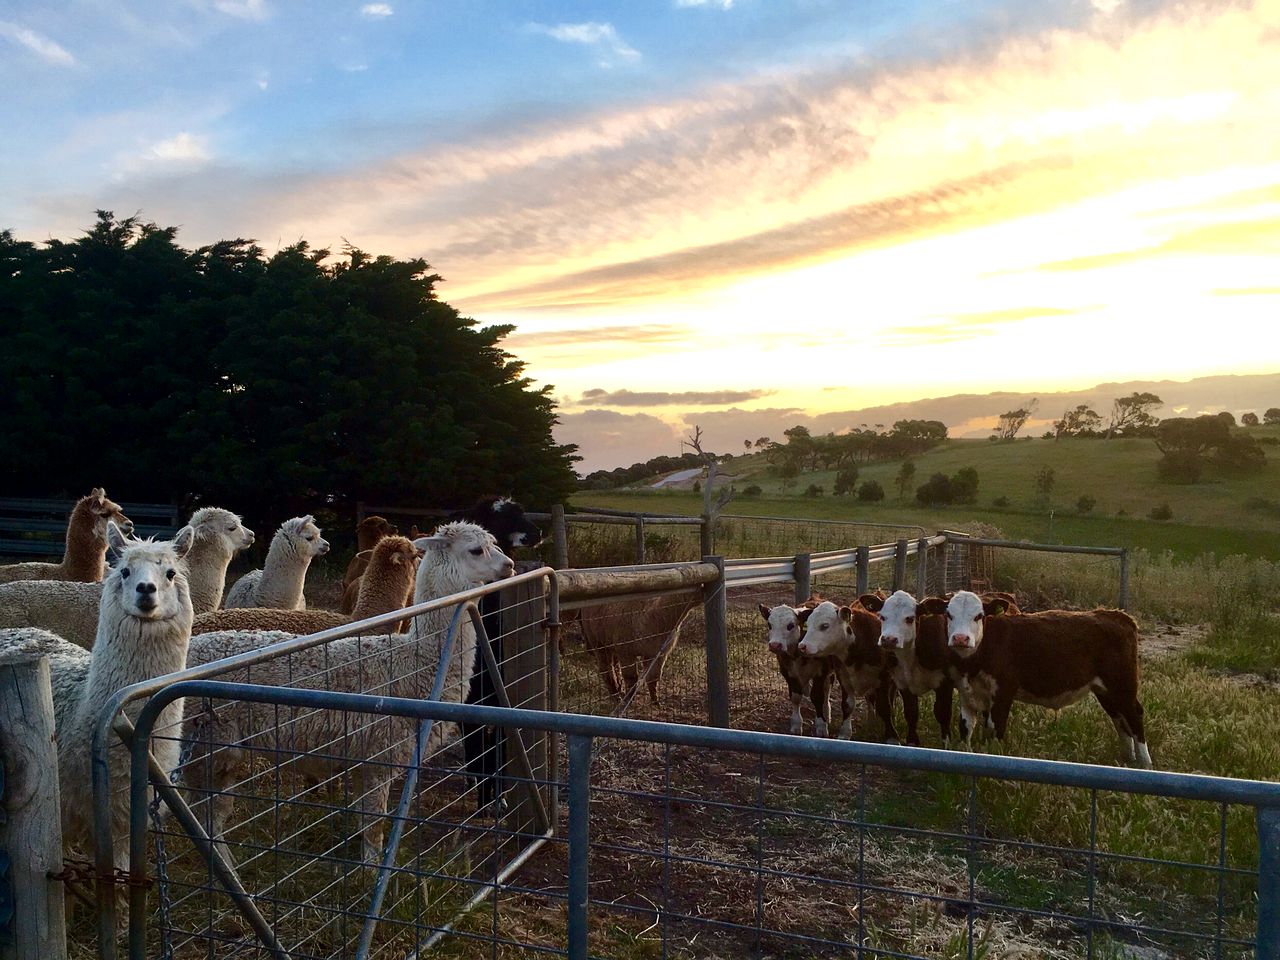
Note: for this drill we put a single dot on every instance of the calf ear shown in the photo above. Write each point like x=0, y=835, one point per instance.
x=803, y=615
x=995, y=607
x=932, y=606
x=872, y=602
x=764, y=611
x=846, y=614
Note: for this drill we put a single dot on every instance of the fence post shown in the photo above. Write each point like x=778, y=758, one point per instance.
x=715, y=615
x=802, y=577
x=559, y=537
x=864, y=569
x=1124, y=578
x=579, y=844
x=30, y=817
x=1268, y=945
x=900, y=564
x=708, y=536
x=922, y=568
x=640, y=540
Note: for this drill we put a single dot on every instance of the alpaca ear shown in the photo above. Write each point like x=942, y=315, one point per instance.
x=430, y=543
x=98, y=495
x=182, y=541
x=116, y=542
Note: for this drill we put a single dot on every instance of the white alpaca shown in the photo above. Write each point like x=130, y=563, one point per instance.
x=320, y=744
x=143, y=631
x=70, y=609
x=279, y=583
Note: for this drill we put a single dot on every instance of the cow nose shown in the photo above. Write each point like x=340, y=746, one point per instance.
x=960, y=640
x=774, y=645
x=886, y=641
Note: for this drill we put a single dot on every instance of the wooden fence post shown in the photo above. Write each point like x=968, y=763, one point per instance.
x=900, y=564
x=864, y=569
x=559, y=537
x=31, y=828
x=640, y=540
x=708, y=536
x=922, y=568
x=715, y=612
x=802, y=577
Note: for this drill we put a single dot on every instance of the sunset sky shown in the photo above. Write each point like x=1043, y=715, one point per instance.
x=695, y=207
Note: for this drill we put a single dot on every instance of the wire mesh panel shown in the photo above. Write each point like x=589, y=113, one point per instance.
x=744, y=536
x=611, y=541
x=305, y=802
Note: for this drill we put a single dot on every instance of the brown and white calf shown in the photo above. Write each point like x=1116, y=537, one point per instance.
x=850, y=637
x=921, y=658
x=804, y=676
x=1051, y=659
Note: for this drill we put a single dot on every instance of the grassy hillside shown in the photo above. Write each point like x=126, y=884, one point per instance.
x=1211, y=516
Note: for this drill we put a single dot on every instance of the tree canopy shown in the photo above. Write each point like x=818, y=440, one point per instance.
x=269, y=384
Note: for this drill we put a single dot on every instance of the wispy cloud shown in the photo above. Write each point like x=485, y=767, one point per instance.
x=183, y=147
x=243, y=9
x=602, y=37
x=720, y=4
x=968, y=326
x=376, y=11
x=657, y=398
x=48, y=50
x=621, y=334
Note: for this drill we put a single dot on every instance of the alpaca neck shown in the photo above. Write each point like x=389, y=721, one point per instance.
x=128, y=650
x=85, y=556
x=381, y=591
x=283, y=576
x=430, y=630
x=207, y=573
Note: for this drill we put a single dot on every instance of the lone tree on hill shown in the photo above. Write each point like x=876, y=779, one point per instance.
x=1133, y=413
x=1249, y=419
x=1076, y=422
x=906, y=473
x=1011, y=421
x=1186, y=442
x=1272, y=415
x=1045, y=481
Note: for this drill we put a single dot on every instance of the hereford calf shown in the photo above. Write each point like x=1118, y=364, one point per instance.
x=921, y=658
x=850, y=637
x=1051, y=659
x=809, y=676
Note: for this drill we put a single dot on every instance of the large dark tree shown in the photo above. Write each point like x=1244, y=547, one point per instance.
x=268, y=384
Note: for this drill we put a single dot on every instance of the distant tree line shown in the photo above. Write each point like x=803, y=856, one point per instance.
x=624, y=476
x=269, y=384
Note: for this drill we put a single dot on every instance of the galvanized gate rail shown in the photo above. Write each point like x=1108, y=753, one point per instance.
x=581, y=730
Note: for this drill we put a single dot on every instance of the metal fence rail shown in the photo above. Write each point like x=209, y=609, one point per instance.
x=742, y=864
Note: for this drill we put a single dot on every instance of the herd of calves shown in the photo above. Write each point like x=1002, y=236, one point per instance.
x=982, y=648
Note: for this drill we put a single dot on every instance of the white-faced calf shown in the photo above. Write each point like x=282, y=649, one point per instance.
x=804, y=676
x=850, y=637
x=1051, y=659
x=919, y=647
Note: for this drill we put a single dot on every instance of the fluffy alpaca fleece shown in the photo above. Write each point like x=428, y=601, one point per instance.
x=219, y=536
x=70, y=609
x=369, y=531
x=457, y=557
x=293, y=622
x=143, y=631
x=279, y=583
x=84, y=558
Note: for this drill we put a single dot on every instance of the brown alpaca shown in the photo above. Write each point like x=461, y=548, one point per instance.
x=368, y=533
x=85, y=556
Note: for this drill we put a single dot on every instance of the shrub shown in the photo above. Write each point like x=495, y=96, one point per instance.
x=871, y=492
x=814, y=490
x=1122, y=512
x=1263, y=505
x=846, y=481
x=964, y=485
x=1179, y=468
x=1000, y=502
x=935, y=490
x=1162, y=512
x=697, y=486
x=752, y=491
x=1085, y=504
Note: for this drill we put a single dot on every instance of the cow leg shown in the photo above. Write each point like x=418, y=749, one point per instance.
x=848, y=706
x=911, y=710
x=1112, y=707
x=998, y=718
x=942, y=711
x=820, y=697
x=882, y=700
x=1133, y=715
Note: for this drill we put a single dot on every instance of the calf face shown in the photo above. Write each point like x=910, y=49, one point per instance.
x=897, y=619
x=786, y=626
x=829, y=631
x=966, y=615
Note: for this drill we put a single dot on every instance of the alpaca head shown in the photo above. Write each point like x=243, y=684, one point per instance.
x=215, y=525
x=467, y=552
x=394, y=557
x=372, y=529
x=303, y=537
x=103, y=511
x=148, y=579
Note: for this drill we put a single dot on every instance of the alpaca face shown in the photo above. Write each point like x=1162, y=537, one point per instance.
x=106, y=511
x=215, y=523
x=304, y=537
x=470, y=549
x=148, y=578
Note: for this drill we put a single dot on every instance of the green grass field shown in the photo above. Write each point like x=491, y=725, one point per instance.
x=1213, y=516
